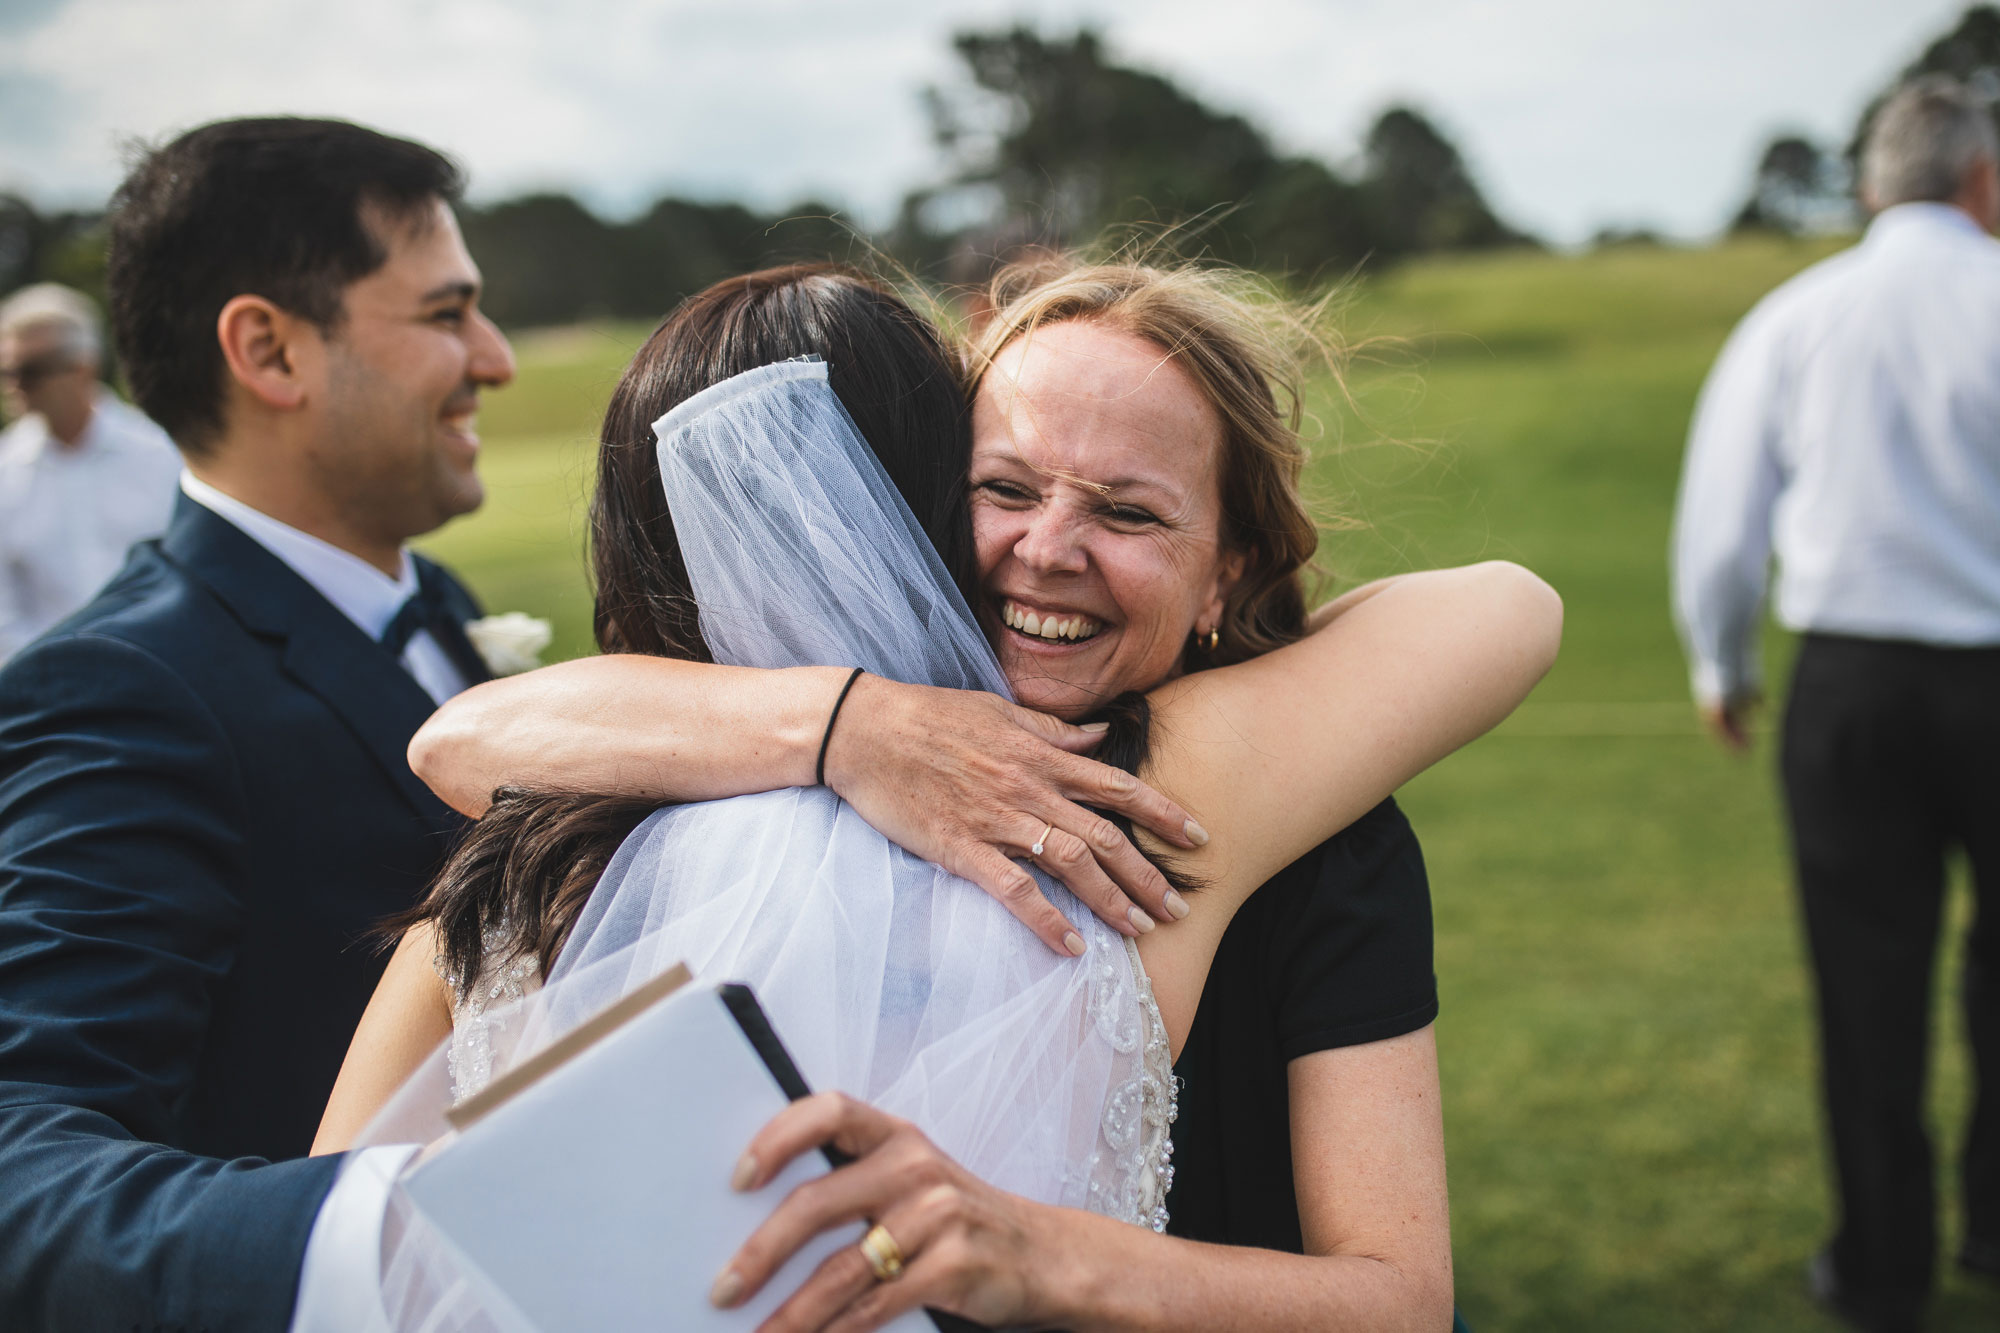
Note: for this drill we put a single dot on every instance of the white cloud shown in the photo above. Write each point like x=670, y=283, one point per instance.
x=1573, y=112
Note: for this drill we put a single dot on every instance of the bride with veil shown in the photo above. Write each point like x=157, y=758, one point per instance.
x=887, y=978
x=792, y=470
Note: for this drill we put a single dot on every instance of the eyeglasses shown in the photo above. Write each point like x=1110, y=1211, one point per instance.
x=32, y=372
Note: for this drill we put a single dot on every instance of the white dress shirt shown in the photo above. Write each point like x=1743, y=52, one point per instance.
x=340, y=1281
x=68, y=513
x=1851, y=426
x=358, y=590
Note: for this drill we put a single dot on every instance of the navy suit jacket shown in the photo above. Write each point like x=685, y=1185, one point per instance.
x=204, y=807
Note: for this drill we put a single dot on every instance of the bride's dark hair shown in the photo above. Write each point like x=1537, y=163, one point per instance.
x=519, y=879
x=885, y=362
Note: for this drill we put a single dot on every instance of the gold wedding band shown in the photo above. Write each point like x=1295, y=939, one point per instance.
x=1040, y=839
x=883, y=1254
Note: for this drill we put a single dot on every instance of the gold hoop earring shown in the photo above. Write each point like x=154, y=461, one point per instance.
x=1214, y=637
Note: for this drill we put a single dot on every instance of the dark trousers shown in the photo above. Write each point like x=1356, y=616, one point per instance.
x=1891, y=755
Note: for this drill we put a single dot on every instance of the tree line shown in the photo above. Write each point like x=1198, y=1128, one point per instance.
x=1044, y=141
x=1080, y=145
x=1801, y=185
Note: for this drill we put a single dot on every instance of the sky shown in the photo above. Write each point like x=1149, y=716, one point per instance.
x=1573, y=114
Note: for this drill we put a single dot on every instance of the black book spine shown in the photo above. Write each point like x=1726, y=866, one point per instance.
x=756, y=1025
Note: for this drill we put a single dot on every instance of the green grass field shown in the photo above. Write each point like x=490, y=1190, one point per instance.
x=1627, y=1063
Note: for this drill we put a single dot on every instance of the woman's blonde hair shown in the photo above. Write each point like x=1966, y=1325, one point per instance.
x=1242, y=345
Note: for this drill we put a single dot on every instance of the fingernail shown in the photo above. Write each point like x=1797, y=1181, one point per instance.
x=1177, y=906
x=1196, y=834
x=1140, y=921
x=1074, y=943
x=1095, y=728
x=726, y=1289
x=746, y=1173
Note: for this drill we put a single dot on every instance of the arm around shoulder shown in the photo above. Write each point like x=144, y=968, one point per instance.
x=1406, y=671
x=958, y=777
x=628, y=725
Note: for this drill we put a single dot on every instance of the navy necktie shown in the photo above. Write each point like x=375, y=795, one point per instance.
x=429, y=608
x=423, y=610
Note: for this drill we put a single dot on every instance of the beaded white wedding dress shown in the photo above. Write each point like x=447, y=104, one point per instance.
x=886, y=977
x=1126, y=1177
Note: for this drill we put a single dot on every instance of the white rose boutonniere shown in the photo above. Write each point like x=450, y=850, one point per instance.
x=509, y=643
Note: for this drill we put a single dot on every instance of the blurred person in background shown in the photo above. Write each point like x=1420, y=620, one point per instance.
x=82, y=475
x=1851, y=427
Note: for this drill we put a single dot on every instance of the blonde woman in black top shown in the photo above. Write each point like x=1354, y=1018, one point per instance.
x=1133, y=490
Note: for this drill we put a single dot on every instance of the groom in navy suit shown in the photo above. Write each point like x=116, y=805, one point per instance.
x=204, y=799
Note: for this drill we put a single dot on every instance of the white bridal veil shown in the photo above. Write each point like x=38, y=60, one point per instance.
x=887, y=977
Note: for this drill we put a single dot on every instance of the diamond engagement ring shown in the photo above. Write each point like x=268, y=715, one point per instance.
x=1041, y=840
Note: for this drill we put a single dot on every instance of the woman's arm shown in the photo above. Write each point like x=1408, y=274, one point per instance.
x=964, y=779
x=1279, y=753
x=628, y=726
x=1328, y=612
x=1372, y=1201
x=1409, y=670
x=406, y=1018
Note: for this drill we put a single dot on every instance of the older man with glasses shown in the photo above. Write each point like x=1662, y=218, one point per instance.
x=82, y=475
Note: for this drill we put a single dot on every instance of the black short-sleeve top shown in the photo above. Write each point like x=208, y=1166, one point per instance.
x=1335, y=950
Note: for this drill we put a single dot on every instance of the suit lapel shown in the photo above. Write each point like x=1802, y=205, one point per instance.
x=318, y=647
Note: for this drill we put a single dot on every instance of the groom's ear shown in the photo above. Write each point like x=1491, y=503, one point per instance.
x=269, y=351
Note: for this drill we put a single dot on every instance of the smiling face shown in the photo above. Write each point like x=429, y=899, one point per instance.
x=398, y=447
x=1097, y=512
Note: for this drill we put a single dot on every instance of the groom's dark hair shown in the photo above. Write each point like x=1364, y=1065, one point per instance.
x=272, y=207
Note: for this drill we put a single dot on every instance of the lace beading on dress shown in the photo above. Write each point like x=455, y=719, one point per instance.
x=504, y=979
x=1131, y=1184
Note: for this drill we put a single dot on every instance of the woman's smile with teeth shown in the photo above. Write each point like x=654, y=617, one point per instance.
x=1049, y=625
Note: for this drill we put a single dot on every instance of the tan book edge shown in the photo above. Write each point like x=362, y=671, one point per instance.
x=567, y=1047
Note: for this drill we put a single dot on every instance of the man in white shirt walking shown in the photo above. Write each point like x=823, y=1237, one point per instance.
x=1851, y=428
x=82, y=476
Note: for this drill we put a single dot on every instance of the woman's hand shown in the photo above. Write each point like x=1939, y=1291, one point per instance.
x=967, y=1248
x=970, y=781
x=966, y=780
x=1373, y=1212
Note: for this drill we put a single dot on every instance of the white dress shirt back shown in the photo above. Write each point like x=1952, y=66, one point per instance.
x=1851, y=426
x=358, y=590
x=68, y=513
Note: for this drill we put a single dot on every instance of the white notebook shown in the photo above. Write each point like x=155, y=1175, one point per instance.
x=589, y=1189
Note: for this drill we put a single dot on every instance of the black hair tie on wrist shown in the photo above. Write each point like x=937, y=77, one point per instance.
x=819, y=769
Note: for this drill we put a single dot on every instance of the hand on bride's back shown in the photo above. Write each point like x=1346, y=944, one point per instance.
x=971, y=781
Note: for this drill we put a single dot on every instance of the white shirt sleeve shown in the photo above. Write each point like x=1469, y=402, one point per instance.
x=340, y=1282
x=1722, y=523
